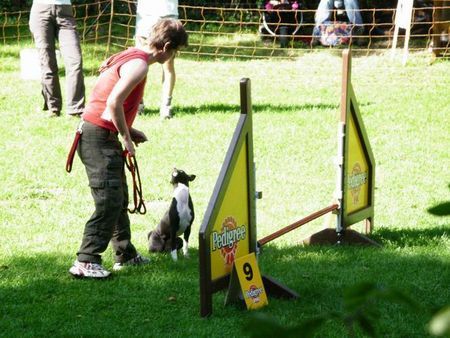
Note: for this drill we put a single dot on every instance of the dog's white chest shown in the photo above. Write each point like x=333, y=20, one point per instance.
x=181, y=194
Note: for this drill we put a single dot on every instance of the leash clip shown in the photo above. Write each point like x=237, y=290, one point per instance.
x=80, y=127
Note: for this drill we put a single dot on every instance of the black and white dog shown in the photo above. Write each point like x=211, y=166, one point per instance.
x=176, y=221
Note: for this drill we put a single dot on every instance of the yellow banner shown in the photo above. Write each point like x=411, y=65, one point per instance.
x=357, y=189
x=229, y=236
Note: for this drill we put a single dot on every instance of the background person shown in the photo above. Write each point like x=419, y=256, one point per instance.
x=323, y=19
x=112, y=108
x=51, y=21
x=351, y=7
x=148, y=13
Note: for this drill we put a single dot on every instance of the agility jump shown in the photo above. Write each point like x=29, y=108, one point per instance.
x=355, y=176
x=228, y=230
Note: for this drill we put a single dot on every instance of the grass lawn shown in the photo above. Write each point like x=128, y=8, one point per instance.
x=43, y=209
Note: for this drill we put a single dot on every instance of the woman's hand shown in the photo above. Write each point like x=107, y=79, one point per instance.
x=137, y=136
x=128, y=144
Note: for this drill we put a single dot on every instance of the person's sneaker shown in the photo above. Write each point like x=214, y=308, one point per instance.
x=166, y=112
x=76, y=113
x=138, y=260
x=88, y=270
x=53, y=113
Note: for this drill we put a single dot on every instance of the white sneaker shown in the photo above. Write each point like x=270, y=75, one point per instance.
x=88, y=270
x=138, y=260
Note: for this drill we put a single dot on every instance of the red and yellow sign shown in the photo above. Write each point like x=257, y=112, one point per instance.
x=251, y=283
x=357, y=172
x=229, y=235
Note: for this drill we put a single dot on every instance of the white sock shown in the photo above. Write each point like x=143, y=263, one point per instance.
x=166, y=101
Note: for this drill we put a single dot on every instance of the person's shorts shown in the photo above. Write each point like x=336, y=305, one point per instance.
x=144, y=26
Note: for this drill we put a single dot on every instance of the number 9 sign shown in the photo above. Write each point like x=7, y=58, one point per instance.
x=250, y=280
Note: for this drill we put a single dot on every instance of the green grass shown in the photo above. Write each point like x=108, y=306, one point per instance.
x=43, y=209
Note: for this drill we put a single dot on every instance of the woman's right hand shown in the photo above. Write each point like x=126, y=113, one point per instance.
x=129, y=146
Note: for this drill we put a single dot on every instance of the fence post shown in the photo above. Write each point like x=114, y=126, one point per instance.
x=110, y=27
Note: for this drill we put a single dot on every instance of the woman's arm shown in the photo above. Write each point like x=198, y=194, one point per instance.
x=131, y=74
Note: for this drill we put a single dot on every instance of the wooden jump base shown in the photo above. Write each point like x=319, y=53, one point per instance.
x=297, y=224
x=348, y=236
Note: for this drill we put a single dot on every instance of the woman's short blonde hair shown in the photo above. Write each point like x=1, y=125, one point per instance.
x=169, y=31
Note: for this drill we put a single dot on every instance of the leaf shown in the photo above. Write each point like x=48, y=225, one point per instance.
x=261, y=325
x=360, y=289
x=366, y=325
x=308, y=328
x=398, y=296
x=440, y=323
x=357, y=295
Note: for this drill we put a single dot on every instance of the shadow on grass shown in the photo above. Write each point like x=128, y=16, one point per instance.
x=39, y=297
x=234, y=108
x=320, y=269
x=441, y=209
x=412, y=237
x=319, y=274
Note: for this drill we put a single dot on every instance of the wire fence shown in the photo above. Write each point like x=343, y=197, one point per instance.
x=224, y=32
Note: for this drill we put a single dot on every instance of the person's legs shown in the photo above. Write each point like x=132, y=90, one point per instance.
x=101, y=153
x=144, y=25
x=323, y=12
x=169, y=78
x=139, y=42
x=353, y=12
x=69, y=43
x=44, y=30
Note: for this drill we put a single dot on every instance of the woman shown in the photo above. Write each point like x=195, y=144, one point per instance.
x=111, y=111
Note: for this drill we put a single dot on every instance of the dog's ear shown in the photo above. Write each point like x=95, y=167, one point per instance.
x=192, y=177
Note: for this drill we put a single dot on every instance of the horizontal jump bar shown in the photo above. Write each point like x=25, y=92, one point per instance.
x=297, y=224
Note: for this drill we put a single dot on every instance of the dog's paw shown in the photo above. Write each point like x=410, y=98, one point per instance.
x=185, y=248
x=174, y=255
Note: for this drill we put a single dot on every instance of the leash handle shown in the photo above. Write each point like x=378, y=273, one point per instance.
x=74, y=147
x=138, y=199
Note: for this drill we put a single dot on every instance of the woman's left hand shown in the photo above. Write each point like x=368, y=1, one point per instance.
x=137, y=136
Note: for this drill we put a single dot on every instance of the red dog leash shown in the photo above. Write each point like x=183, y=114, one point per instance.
x=138, y=199
x=76, y=140
x=130, y=162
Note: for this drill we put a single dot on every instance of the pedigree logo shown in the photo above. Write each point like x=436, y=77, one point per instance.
x=253, y=293
x=227, y=240
x=356, y=180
